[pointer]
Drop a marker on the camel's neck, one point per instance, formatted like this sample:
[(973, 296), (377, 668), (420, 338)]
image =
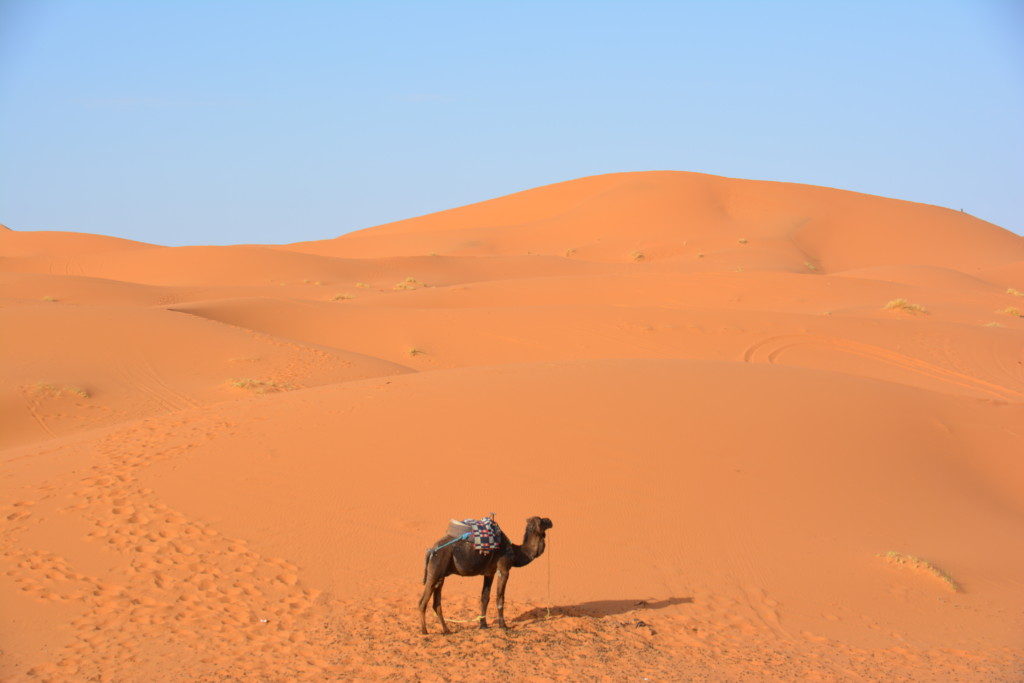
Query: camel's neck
[(531, 549)]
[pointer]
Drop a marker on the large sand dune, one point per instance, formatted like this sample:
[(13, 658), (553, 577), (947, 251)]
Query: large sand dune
[(777, 427)]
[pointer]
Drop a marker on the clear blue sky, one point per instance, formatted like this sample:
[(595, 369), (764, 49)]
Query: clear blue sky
[(218, 122)]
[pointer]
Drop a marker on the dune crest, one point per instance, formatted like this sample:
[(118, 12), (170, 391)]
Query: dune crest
[(776, 426)]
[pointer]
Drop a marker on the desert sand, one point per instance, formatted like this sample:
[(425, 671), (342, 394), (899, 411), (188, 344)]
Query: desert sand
[(778, 429)]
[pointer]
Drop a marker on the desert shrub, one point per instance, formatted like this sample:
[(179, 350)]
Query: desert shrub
[(904, 305), (55, 390), (409, 283), (902, 560), (259, 386)]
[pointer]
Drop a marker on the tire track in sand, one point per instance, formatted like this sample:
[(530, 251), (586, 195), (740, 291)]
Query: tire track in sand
[(141, 375), (769, 350), (31, 404)]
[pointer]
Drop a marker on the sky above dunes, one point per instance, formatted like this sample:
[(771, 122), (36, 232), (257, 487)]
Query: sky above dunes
[(225, 122)]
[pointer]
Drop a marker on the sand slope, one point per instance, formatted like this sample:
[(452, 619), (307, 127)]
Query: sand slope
[(656, 215), (71, 368), (50, 243), (226, 462)]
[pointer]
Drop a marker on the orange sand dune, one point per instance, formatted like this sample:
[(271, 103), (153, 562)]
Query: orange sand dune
[(43, 243), (70, 369), (654, 215), (927, 277), (777, 428), (251, 266), (1008, 274), (693, 321)]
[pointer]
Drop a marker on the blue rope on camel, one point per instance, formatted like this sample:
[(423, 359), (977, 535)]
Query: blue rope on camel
[(484, 533), (463, 537)]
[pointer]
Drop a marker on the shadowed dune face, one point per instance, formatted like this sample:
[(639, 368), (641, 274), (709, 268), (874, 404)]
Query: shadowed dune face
[(777, 428)]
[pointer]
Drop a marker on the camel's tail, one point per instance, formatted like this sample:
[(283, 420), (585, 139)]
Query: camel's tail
[(426, 563)]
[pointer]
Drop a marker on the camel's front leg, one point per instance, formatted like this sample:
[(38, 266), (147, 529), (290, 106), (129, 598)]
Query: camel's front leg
[(502, 581), (485, 597)]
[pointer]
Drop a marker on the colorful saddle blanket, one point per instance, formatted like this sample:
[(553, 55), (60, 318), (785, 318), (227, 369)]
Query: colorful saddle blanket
[(486, 535)]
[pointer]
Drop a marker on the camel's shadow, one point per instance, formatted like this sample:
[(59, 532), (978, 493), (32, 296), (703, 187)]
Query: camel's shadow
[(599, 608)]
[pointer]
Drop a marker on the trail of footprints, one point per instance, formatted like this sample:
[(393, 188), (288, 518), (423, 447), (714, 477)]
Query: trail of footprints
[(181, 583)]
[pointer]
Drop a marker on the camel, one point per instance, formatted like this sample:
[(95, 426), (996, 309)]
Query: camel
[(461, 558)]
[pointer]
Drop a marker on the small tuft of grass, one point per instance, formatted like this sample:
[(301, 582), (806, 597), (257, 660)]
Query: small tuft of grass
[(570, 252), (342, 297), (993, 324), (1014, 292), (743, 240), (57, 390), (50, 299), (700, 254), (637, 256), (1012, 310), (362, 285), (409, 283), (904, 305), (811, 266), (902, 560), (414, 351), (259, 386)]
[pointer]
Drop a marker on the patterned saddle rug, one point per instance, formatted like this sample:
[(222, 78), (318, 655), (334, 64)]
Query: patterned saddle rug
[(485, 534)]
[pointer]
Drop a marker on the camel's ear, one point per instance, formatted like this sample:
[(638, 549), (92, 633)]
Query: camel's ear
[(545, 523)]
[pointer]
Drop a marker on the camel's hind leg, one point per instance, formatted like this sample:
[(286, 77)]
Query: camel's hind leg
[(429, 586), (437, 605)]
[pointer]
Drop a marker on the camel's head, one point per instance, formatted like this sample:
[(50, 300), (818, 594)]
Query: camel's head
[(539, 525)]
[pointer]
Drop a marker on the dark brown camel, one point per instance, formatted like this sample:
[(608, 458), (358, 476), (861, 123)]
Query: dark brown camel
[(462, 559)]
